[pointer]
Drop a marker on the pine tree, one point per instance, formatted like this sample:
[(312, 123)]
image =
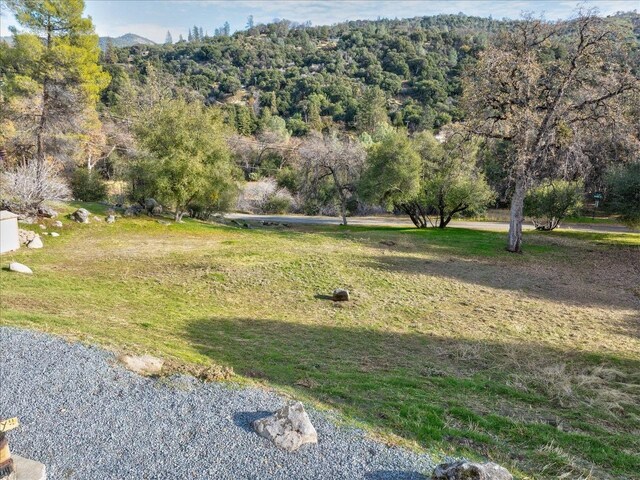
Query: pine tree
[(250, 22), (169, 39), (180, 39), (227, 29), (190, 36), (196, 34), (60, 55)]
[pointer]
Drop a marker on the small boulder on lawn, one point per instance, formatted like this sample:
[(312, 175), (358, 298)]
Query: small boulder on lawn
[(20, 268), (25, 236), (81, 215), (57, 224), (340, 295), (142, 364), (289, 428), (48, 212), (35, 243), (54, 234), (464, 470), (111, 219)]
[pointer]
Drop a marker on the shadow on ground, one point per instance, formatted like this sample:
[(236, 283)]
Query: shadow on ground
[(429, 388)]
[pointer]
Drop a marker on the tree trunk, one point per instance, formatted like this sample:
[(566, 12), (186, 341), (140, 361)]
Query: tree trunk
[(343, 211), (178, 216), (516, 217)]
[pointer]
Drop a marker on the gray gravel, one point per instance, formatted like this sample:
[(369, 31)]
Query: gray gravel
[(86, 417)]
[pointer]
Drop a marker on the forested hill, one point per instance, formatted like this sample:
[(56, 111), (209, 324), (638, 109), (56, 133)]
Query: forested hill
[(313, 76)]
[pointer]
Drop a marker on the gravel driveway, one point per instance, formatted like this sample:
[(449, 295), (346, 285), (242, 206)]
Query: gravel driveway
[(86, 417)]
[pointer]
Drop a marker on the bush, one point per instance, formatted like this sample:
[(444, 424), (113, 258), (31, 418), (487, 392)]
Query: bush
[(548, 204), (264, 196), (88, 185), (624, 193), (26, 187)]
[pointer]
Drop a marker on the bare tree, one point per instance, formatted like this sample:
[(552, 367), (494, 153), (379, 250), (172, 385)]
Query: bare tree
[(545, 87), (342, 160)]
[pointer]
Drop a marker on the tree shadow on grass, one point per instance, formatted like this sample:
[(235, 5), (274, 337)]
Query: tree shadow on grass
[(552, 282), (424, 387)]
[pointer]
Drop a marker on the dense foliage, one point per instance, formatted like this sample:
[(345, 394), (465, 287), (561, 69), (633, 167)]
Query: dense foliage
[(549, 204)]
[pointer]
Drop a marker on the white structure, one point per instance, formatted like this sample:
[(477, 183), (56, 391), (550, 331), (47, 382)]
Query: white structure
[(9, 240)]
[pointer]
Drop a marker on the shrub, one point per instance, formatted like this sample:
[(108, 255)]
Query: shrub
[(548, 204), (264, 196), (27, 186), (88, 185), (624, 193)]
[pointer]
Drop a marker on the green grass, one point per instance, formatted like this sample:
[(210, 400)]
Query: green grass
[(449, 344)]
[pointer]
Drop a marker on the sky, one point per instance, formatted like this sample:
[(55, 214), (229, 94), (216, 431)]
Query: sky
[(153, 18)]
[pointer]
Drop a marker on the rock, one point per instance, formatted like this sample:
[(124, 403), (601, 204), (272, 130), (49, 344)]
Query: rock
[(464, 470), (150, 204), (132, 210), (57, 224), (20, 268), (28, 469), (48, 212), (97, 219), (142, 364), (26, 219), (81, 215), (111, 219), (157, 210), (25, 236), (289, 428), (340, 295), (43, 227), (54, 234), (35, 243)]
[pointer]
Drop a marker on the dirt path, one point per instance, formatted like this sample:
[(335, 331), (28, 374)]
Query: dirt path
[(399, 221)]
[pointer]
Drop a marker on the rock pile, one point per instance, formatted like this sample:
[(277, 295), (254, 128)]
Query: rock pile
[(29, 238)]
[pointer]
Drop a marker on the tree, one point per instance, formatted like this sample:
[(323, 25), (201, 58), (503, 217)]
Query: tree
[(372, 110), (624, 192), (424, 178), (543, 87), (451, 181), (188, 156), (168, 39), (549, 204), (226, 29), (56, 68), (341, 160), (249, 22), (392, 176)]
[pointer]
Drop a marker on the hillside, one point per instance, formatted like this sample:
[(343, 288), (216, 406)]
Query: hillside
[(126, 40), (314, 76)]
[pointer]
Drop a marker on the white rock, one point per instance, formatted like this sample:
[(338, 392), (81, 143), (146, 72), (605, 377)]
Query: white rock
[(43, 227), (54, 234), (289, 428), (28, 469), (20, 268), (142, 364), (57, 224), (35, 243)]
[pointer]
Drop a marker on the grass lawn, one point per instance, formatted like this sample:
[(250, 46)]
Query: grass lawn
[(449, 344)]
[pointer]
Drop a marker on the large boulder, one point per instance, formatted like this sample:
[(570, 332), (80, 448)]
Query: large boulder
[(464, 470), (35, 243), (81, 215), (289, 428), (26, 236), (20, 268)]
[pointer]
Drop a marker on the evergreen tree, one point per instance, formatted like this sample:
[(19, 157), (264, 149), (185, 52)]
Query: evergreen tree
[(250, 22), (169, 39), (60, 59), (226, 29), (200, 34)]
